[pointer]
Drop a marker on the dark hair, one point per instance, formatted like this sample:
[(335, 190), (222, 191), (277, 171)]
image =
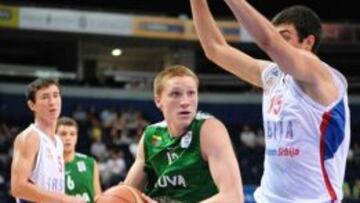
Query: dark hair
[(67, 121), (305, 21), (38, 84)]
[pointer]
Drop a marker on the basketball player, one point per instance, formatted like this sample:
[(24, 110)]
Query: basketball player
[(37, 170), (188, 157), (305, 105), (81, 171)]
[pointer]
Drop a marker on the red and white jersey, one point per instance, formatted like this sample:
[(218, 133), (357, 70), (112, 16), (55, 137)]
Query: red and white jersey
[(306, 143), (49, 166)]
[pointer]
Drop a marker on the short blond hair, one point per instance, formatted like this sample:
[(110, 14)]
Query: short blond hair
[(170, 72)]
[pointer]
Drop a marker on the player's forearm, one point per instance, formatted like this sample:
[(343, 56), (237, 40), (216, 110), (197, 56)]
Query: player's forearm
[(136, 175), (208, 32), (31, 192)]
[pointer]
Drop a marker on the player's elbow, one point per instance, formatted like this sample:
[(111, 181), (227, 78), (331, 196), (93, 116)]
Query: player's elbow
[(240, 197), (236, 197), (234, 194), (215, 52), (268, 42), (16, 188), (210, 51)]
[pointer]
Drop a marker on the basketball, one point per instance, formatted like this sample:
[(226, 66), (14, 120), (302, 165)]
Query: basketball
[(120, 194)]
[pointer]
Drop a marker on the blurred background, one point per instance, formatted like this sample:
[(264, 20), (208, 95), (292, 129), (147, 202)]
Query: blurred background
[(106, 54)]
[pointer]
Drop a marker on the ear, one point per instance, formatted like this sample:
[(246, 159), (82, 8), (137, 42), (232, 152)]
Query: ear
[(31, 105), (309, 42), (157, 101)]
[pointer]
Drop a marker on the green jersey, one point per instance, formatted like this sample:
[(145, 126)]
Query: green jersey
[(174, 166), (79, 177)]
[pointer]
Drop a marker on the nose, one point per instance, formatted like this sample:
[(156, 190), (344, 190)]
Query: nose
[(185, 101), (52, 101), (185, 105)]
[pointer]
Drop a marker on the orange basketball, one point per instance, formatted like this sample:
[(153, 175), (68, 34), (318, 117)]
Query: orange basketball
[(120, 194)]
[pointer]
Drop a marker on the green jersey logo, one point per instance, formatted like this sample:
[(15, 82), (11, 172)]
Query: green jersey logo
[(156, 140)]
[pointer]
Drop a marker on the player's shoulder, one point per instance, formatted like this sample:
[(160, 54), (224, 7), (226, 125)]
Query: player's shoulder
[(161, 124), (27, 140), (203, 115), (156, 128), (27, 136), (81, 156), (201, 118), (211, 124), (159, 129)]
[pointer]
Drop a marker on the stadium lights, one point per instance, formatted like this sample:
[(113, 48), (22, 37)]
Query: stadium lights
[(116, 52)]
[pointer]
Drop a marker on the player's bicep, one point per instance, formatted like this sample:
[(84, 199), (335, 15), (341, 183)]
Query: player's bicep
[(217, 150), (302, 65), (136, 174), (140, 154), (15, 165), (24, 158), (240, 64)]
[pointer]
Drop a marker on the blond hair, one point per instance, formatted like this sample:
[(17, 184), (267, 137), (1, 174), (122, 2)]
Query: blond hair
[(171, 72)]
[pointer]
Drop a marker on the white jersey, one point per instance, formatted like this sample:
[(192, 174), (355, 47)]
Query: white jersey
[(306, 143), (48, 173)]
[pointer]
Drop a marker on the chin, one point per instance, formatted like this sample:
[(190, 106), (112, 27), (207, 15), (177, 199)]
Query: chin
[(186, 123), (54, 116), (68, 150)]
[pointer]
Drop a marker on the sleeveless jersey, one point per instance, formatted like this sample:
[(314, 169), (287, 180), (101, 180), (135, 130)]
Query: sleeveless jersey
[(79, 177), (175, 168), (48, 173), (306, 143)]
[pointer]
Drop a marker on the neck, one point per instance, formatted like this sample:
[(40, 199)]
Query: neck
[(47, 127), (176, 131), (69, 156)]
